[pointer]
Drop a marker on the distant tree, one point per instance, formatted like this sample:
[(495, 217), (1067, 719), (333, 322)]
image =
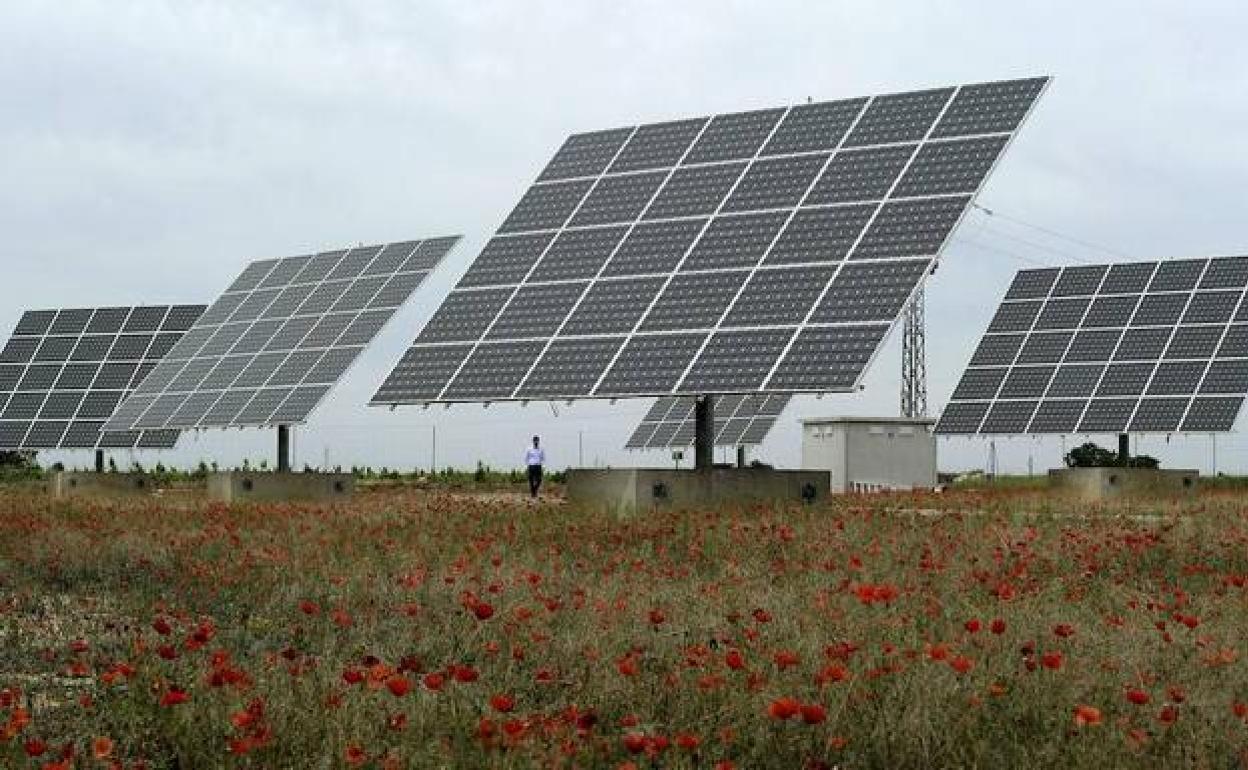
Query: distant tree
[(1090, 455), (17, 460)]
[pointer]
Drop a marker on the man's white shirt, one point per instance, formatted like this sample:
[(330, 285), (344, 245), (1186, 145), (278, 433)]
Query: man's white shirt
[(535, 456)]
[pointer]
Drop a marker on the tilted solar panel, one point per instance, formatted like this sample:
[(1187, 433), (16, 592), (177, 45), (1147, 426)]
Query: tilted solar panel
[(279, 338), (751, 252), (63, 373), (739, 421)]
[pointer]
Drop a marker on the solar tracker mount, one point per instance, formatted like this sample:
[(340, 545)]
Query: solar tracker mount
[(768, 251)]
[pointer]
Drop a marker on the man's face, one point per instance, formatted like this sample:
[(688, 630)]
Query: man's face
[(534, 443)]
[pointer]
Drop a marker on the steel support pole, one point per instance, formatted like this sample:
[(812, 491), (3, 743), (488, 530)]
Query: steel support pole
[(283, 449), (1124, 448), (704, 433), (99, 461), (741, 457)]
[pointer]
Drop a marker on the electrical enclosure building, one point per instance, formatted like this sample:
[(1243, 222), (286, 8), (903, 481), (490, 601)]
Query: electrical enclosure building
[(871, 454)]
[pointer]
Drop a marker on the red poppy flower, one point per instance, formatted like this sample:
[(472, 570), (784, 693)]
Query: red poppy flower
[(482, 610), (309, 608), (997, 626), (813, 713), (434, 681), (1064, 630), (1087, 715), (1051, 660), (656, 617), (688, 741), (962, 664), (102, 747), (399, 685), (973, 626), (162, 627), (174, 696), (784, 708), (354, 755), (786, 659), (734, 660), (35, 747), (502, 703), (635, 743), (1137, 696)]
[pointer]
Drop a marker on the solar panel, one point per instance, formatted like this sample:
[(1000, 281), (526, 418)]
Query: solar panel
[(63, 373), (283, 333), (1128, 347), (750, 252), (739, 421)]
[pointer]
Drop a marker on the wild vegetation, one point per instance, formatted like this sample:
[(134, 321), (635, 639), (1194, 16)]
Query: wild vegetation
[(419, 628)]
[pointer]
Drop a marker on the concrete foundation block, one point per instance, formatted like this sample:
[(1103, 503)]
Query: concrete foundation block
[(634, 489), (248, 487), (66, 484), (1111, 483)]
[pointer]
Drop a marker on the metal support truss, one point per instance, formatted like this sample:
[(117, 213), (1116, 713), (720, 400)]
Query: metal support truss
[(914, 360)]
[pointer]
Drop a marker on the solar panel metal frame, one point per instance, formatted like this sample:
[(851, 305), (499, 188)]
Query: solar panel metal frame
[(1149, 360), (615, 152), (76, 353), (758, 411), (310, 333)]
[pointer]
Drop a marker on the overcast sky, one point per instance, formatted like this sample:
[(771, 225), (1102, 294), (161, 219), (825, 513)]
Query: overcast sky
[(148, 150)]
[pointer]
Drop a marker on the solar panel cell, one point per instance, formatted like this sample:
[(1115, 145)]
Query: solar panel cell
[(910, 228), (861, 175), (736, 359), (903, 117), (617, 199), (735, 241), (774, 297), (694, 300), (695, 191), (585, 154), (812, 127), (613, 307), (546, 206), (989, 107), (578, 253), (658, 145), (650, 364), (570, 367), (653, 247), (820, 235), (957, 166), (734, 135), (774, 183)]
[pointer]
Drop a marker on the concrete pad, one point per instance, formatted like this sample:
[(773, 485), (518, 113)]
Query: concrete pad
[(633, 489), (66, 484), (260, 487), (1112, 483)]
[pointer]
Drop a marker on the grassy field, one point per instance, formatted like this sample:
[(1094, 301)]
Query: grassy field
[(424, 628)]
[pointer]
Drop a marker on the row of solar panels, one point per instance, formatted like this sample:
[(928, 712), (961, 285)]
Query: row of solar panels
[(744, 254)]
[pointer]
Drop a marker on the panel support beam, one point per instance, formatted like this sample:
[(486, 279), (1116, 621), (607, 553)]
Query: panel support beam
[(704, 433), (99, 461), (1124, 448), (741, 456), (283, 449)]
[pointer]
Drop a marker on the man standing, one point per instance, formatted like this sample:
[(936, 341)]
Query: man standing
[(535, 458)]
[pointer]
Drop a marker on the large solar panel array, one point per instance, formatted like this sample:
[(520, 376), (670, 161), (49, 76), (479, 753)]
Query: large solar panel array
[(63, 372), (280, 336), (1122, 348), (763, 251), (739, 421)]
